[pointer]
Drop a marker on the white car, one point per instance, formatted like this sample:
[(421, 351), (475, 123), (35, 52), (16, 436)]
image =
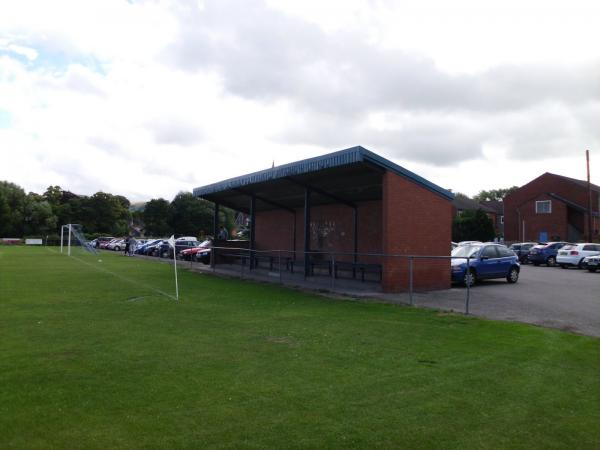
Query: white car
[(573, 255), (463, 243), (117, 245), (592, 263), (186, 238)]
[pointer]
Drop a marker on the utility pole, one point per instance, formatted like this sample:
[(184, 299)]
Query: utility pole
[(589, 186)]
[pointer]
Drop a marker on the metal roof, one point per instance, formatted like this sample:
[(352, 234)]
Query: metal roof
[(337, 159)]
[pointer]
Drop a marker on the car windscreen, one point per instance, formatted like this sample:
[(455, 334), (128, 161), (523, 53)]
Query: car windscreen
[(466, 251)]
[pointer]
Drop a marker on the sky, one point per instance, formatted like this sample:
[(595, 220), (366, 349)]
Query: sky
[(147, 98)]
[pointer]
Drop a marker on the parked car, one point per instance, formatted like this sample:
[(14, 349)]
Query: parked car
[(104, 244), (180, 245), (117, 245), (592, 263), (521, 249), (143, 248), (155, 248), (486, 261), (203, 255), (190, 253), (545, 253), (186, 238), (462, 243), (573, 255), (103, 239)]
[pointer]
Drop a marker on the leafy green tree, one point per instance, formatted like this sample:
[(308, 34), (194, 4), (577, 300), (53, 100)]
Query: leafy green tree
[(12, 205), (189, 215), (472, 226), (39, 218), (494, 194), (105, 213), (156, 216)]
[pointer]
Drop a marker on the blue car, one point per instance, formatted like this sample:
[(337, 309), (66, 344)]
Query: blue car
[(486, 261), (143, 249), (545, 253)]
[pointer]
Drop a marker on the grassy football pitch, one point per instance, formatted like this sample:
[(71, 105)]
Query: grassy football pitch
[(93, 355)]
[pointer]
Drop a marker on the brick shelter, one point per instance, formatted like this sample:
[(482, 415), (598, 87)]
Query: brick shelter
[(552, 208), (348, 208)]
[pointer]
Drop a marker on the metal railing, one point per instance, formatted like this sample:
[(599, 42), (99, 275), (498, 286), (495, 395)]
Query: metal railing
[(407, 273)]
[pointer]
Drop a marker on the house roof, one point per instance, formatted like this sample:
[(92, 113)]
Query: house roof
[(582, 183), (463, 203), (341, 172), (496, 205), (572, 204)]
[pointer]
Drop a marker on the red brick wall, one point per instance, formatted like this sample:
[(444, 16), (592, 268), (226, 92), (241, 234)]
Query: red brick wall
[(419, 222), (409, 220), (555, 223), (542, 185), (331, 230)]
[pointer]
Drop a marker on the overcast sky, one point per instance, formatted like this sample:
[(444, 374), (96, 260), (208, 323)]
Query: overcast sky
[(147, 98)]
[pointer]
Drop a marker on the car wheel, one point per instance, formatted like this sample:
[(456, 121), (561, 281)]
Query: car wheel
[(117, 249), (513, 275), (470, 278), (551, 261), (582, 265)]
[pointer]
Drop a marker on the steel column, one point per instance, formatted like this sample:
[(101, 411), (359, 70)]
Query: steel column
[(216, 222), (306, 231), (252, 229)]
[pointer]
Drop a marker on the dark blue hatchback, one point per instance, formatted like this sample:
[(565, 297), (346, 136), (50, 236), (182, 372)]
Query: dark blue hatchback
[(486, 261), (545, 253)]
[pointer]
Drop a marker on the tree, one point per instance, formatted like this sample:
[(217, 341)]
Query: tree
[(155, 217), (189, 215), (39, 219), (472, 226), (494, 194), (105, 213), (12, 205)]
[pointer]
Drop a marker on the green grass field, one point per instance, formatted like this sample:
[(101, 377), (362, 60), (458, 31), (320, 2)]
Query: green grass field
[(92, 356)]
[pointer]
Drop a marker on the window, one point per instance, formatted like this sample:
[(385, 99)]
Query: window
[(591, 248), (543, 207), (489, 252), (504, 252), (501, 220)]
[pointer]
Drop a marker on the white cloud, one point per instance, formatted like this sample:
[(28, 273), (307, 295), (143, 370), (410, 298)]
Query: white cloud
[(152, 97)]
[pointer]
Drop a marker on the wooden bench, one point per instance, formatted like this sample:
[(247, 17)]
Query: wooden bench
[(361, 267)]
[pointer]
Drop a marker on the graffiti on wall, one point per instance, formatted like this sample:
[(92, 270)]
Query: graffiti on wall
[(320, 230)]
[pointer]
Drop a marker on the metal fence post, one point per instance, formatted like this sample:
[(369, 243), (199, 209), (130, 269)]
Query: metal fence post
[(242, 265), (279, 264), (332, 262), (468, 279), (410, 280)]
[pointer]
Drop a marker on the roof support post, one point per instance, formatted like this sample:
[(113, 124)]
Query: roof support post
[(355, 233), (294, 238), (216, 222), (252, 229), (306, 231)]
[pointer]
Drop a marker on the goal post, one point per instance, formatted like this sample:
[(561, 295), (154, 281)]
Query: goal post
[(74, 231)]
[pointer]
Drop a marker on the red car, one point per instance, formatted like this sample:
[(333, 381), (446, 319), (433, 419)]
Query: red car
[(200, 253)]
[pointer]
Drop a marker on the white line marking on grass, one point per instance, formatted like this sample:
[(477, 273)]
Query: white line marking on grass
[(121, 277)]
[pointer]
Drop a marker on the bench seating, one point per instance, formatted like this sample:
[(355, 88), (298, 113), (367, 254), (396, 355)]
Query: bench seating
[(363, 268)]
